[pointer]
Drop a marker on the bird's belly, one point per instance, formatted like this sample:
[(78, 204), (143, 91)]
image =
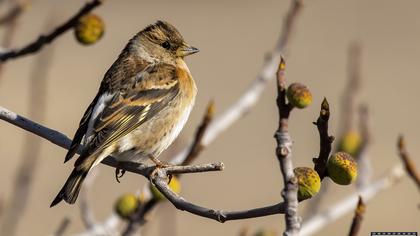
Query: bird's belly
[(153, 136)]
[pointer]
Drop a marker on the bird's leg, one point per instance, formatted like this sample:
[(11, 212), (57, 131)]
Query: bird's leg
[(119, 172), (159, 163)]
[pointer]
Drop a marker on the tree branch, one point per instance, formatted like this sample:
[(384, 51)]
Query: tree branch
[(159, 179), (358, 217), (325, 140), (409, 165), (62, 227), (48, 38), (284, 156)]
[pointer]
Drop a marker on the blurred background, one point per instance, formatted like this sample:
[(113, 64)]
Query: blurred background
[(233, 38)]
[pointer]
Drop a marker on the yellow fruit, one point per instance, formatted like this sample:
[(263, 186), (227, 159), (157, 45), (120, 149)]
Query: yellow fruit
[(89, 29), (308, 181), (350, 142), (299, 95), (174, 185), (126, 205), (342, 168)]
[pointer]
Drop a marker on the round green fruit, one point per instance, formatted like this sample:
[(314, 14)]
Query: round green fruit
[(342, 168), (299, 95), (308, 181), (126, 205), (174, 185), (89, 29)]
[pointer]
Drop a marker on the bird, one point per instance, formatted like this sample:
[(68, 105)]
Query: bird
[(143, 102)]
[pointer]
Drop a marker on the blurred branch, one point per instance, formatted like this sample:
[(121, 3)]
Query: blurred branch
[(284, 156), (108, 227), (29, 160), (363, 163), (358, 217), (13, 13), (249, 98), (197, 144), (86, 212), (325, 140), (48, 38), (409, 165), (1, 207), (335, 211), (62, 227), (9, 33), (352, 87)]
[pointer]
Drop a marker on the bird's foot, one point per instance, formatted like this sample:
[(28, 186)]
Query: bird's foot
[(119, 173), (159, 163)]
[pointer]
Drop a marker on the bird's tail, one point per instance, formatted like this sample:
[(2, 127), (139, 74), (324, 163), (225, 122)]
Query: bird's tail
[(71, 188)]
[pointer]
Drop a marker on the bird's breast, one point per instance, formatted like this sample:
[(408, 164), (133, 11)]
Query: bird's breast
[(156, 134)]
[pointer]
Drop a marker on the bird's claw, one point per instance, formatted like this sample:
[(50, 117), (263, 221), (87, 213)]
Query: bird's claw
[(119, 173)]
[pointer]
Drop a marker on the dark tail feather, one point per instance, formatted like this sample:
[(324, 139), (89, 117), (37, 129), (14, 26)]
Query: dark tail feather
[(71, 188)]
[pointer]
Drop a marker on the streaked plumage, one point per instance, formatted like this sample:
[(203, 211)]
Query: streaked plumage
[(143, 103)]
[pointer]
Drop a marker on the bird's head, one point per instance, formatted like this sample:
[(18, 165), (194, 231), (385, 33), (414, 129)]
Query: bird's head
[(162, 41)]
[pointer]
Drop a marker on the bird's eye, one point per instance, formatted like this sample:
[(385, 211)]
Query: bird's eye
[(166, 45)]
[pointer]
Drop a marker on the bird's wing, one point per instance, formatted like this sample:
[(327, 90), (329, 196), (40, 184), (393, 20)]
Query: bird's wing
[(148, 93), (81, 131)]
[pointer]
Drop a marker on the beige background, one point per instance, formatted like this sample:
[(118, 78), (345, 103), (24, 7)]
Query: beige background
[(233, 37)]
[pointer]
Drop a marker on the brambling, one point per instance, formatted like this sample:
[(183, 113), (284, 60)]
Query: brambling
[(143, 102)]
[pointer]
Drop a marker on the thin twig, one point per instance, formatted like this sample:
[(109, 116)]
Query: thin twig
[(358, 217), (325, 140), (27, 168), (409, 165), (48, 38), (250, 97), (62, 227), (159, 179), (284, 156), (335, 211)]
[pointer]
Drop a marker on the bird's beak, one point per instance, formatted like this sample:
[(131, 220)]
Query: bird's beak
[(186, 50)]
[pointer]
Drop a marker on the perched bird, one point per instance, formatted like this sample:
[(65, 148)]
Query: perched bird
[(143, 102)]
